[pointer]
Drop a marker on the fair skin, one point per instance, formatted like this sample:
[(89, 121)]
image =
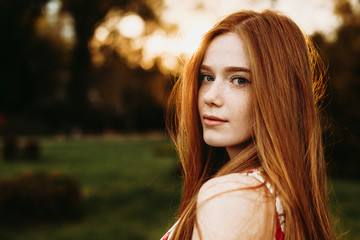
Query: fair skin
[(224, 94), (227, 206), (226, 210)]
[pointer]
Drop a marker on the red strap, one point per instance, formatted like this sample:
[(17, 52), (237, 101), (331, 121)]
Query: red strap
[(166, 236), (279, 235)]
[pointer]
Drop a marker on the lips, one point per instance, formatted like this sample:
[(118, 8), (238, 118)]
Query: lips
[(211, 120)]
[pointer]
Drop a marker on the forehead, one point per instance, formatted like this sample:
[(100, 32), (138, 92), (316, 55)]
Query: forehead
[(226, 50)]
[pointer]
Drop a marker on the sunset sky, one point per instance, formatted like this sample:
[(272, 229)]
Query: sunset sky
[(192, 18), (195, 17)]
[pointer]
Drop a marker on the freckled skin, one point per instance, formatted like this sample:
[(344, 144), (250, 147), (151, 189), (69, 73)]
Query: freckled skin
[(225, 93)]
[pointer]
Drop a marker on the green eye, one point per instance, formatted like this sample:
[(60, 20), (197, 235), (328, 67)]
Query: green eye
[(240, 80), (206, 78)]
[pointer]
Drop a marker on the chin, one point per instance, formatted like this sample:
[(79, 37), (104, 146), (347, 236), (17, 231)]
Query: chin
[(212, 144), (215, 142)]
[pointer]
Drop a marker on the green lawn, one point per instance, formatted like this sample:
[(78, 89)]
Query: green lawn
[(346, 207), (130, 190)]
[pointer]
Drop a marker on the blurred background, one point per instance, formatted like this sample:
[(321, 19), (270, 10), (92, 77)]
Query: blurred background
[(83, 85)]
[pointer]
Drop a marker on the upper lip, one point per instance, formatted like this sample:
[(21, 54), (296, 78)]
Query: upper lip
[(212, 117)]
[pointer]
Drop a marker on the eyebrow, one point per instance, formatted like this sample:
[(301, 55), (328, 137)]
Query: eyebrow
[(228, 69)]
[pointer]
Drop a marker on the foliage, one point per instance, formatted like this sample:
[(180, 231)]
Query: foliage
[(46, 86), (18, 56), (343, 57), (87, 14)]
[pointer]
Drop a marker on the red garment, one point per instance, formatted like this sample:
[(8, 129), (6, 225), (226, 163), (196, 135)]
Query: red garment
[(279, 234), (166, 236)]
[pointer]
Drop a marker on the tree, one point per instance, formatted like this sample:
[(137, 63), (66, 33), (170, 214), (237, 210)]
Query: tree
[(343, 56), (87, 15), (17, 20), (37, 69)]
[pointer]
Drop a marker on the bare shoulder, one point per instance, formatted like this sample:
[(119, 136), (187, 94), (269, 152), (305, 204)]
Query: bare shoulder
[(228, 183), (234, 206)]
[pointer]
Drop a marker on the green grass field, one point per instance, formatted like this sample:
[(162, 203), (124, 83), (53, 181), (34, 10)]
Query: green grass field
[(130, 190)]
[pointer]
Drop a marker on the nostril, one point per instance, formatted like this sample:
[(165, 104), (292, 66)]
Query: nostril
[(213, 96)]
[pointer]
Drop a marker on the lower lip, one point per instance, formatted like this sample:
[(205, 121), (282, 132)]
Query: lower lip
[(211, 122)]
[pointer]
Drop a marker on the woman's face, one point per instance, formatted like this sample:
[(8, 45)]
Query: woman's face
[(224, 94)]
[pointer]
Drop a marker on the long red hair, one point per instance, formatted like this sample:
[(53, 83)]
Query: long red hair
[(286, 141)]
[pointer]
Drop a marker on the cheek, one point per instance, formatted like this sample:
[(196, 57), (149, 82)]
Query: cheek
[(242, 117), (200, 102), (242, 108)]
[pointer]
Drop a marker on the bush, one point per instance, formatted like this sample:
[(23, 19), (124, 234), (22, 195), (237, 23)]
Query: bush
[(10, 149), (32, 149), (39, 198), (26, 149)]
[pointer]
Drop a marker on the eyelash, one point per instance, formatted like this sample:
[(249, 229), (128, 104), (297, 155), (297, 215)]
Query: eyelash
[(233, 79), (203, 76), (245, 81)]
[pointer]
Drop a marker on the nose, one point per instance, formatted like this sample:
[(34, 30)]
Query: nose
[(213, 95)]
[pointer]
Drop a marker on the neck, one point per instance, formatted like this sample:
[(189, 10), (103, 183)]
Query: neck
[(233, 151)]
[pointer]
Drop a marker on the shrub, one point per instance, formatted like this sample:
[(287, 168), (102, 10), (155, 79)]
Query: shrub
[(10, 148), (39, 197), (32, 149), (26, 149)]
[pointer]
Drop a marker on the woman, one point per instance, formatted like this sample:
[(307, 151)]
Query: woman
[(248, 135)]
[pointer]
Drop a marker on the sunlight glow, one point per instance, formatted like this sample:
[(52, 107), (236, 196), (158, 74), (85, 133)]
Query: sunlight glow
[(56, 25), (101, 33), (156, 43), (192, 20), (311, 15), (53, 7), (193, 36), (67, 31), (51, 11), (318, 17), (131, 26)]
